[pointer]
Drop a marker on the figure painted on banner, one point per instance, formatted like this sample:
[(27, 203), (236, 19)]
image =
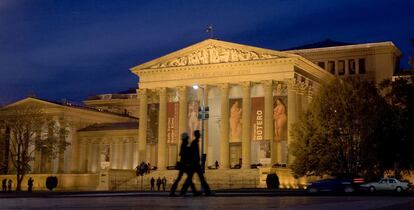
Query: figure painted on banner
[(280, 119), (235, 122), (192, 117)]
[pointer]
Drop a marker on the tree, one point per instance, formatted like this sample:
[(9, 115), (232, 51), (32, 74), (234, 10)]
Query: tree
[(344, 132), (399, 94), (25, 125)]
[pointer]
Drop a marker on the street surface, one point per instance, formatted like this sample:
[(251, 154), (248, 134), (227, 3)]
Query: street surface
[(138, 200)]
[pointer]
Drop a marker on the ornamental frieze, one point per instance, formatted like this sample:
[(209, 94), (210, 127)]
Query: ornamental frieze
[(215, 54)]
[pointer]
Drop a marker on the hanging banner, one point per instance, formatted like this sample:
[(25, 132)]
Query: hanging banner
[(235, 120), (280, 118), (257, 119), (152, 123), (172, 122), (192, 118)]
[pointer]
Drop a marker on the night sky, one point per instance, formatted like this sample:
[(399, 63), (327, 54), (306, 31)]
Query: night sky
[(78, 48)]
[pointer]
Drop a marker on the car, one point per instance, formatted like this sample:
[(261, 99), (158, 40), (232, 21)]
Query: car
[(334, 185), (386, 184)]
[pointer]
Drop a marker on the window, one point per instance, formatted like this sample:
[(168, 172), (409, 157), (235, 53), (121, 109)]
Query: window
[(321, 64), (392, 181), (361, 65), (341, 67), (331, 66), (351, 66)]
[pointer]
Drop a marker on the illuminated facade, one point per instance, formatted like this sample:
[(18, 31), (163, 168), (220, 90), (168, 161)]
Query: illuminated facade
[(254, 96)]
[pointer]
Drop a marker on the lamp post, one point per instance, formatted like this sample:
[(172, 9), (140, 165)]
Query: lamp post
[(202, 116)]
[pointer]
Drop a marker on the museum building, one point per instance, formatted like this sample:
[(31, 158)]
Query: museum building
[(254, 95)]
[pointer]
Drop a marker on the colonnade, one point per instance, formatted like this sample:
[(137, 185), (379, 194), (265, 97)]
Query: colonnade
[(123, 153), (299, 93)]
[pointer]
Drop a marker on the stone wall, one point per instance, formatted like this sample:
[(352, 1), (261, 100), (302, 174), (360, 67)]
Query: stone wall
[(66, 182)]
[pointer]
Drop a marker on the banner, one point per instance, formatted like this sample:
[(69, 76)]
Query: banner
[(172, 122), (235, 120), (257, 118), (280, 118), (192, 118), (152, 123)]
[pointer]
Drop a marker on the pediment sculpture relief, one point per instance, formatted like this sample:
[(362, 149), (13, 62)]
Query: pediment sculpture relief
[(215, 54)]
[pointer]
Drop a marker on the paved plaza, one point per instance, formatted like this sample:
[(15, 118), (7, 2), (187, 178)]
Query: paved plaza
[(160, 201)]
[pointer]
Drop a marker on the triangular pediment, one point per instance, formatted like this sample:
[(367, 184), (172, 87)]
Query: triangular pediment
[(30, 101), (212, 51)]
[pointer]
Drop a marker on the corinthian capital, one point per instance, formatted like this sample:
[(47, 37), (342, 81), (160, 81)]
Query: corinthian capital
[(267, 83)]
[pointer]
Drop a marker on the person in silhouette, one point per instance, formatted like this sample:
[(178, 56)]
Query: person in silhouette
[(195, 167), (152, 183), (30, 184), (9, 185), (4, 185), (159, 183), (183, 165), (163, 183)]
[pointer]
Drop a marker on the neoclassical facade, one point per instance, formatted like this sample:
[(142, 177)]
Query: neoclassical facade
[(250, 92), (254, 96)]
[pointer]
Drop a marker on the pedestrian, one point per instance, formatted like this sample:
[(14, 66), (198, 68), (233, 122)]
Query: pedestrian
[(164, 183), (195, 167), (30, 184), (159, 183), (152, 183), (4, 185), (9, 185), (216, 164), (183, 165)]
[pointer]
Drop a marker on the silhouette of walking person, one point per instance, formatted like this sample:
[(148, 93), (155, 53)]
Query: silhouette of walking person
[(159, 183), (163, 183), (195, 167), (183, 165), (152, 183), (30, 184), (4, 185), (9, 185)]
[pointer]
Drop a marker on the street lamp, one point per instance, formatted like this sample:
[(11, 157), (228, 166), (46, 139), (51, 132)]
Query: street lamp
[(202, 115)]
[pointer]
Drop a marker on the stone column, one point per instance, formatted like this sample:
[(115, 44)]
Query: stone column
[(268, 118), (142, 130), (90, 156), (62, 140), (37, 154), (162, 129), (82, 155), (182, 112), (121, 153), (246, 125), (131, 157), (206, 88), (292, 114), (99, 158), (224, 127), (75, 144), (112, 149)]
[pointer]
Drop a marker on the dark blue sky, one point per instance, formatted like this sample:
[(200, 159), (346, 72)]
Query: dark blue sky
[(77, 48)]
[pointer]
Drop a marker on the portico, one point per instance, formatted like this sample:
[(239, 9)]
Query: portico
[(254, 95)]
